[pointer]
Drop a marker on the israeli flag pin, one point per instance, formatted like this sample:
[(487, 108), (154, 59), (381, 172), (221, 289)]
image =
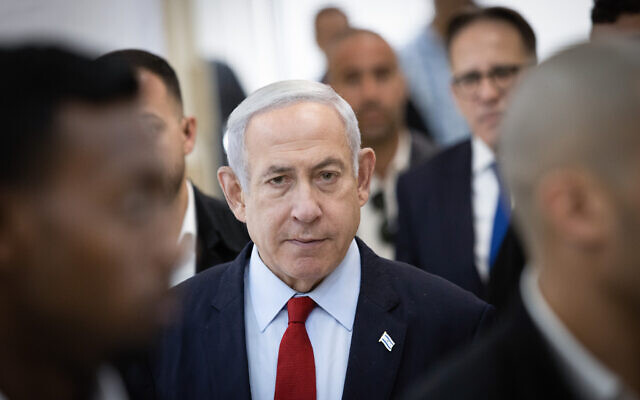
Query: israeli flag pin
[(386, 340)]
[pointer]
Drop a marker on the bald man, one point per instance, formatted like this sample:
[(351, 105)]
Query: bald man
[(364, 70), (572, 160)]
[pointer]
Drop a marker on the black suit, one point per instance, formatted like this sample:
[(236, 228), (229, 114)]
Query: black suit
[(435, 226), (203, 356), (220, 235), (513, 362)]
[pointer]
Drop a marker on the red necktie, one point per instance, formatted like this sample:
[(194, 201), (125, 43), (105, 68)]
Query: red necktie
[(296, 377)]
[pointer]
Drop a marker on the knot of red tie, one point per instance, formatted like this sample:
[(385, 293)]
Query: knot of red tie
[(299, 309)]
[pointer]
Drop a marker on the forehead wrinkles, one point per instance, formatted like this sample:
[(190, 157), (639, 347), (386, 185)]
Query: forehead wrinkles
[(275, 133)]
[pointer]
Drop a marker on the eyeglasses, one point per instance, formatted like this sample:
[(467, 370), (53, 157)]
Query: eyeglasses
[(500, 76)]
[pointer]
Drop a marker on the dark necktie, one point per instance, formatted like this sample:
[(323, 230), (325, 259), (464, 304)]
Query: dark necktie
[(296, 376), (500, 219)]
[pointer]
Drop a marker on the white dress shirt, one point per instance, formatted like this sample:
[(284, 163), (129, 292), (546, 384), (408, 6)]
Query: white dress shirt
[(484, 199), (187, 239), (371, 219), (329, 326), (586, 374)]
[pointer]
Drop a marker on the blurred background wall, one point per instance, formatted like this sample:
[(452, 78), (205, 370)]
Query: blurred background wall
[(261, 40)]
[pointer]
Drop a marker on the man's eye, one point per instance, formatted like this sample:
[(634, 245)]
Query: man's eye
[(470, 79), (278, 180), (328, 176)]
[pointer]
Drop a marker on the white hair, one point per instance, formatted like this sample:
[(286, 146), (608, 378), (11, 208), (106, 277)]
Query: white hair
[(278, 95)]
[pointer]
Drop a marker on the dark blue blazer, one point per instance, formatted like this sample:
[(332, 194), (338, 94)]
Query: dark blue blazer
[(203, 355), (435, 226), (513, 362)]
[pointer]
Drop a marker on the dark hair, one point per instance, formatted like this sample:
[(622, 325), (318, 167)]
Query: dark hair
[(608, 11), (329, 10), (507, 15), (35, 82), (140, 59)]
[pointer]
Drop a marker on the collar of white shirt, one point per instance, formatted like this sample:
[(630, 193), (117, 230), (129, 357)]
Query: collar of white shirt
[(398, 164), (189, 222), (482, 156), (186, 267), (592, 379), (337, 294)]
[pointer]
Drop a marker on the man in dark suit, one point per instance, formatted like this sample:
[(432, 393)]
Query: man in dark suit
[(364, 70), (572, 160), (307, 310), (453, 210), (85, 245), (210, 234)]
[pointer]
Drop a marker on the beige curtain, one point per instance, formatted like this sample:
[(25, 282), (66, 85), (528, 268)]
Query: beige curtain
[(197, 84)]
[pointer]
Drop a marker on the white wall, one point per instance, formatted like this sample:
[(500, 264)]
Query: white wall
[(268, 40), (95, 25)]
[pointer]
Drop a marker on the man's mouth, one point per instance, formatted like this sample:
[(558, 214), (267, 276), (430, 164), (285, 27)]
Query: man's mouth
[(306, 242), (492, 118)]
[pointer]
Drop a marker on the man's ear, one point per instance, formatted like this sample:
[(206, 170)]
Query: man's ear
[(366, 165), (189, 127), (232, 192), (575, 207)]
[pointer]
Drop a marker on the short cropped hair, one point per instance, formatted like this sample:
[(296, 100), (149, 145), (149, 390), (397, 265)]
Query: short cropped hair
[(141, 59), (578, 108), (36, 82), (502, 14), (327, 11), (278, 95), (608, 11)]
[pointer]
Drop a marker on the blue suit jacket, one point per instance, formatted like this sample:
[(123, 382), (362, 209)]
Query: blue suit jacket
[(203, 355), (435, 227)]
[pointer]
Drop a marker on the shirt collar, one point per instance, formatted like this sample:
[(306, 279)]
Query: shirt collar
[(337, 294), (481, 156), (189, 222), (588, 375), (399, 163)]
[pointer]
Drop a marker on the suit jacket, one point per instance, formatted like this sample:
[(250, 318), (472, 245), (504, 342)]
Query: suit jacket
[(422, 148), (203, 355), (435, 226), (220, 235), (512, 362)]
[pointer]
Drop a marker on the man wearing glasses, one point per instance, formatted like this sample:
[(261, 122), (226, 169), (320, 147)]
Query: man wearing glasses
[(453, 211)]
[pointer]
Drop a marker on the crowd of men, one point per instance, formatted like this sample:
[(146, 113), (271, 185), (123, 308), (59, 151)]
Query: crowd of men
[(517, 268)]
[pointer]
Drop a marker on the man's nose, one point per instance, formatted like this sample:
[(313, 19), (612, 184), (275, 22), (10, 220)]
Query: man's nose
[(488, 91), (369, 88), (305, 208)]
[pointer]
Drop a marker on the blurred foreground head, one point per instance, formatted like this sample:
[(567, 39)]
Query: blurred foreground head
[(615, 17), (84, 258), (571, 154)]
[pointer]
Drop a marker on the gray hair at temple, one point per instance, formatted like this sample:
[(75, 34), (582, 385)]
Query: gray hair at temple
[(279, 95), (580, 108)]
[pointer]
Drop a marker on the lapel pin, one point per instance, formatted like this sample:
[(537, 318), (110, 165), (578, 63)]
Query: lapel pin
[(386, 340)]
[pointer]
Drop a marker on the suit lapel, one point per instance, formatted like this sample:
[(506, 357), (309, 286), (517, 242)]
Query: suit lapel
[(223, 335), (372, 369)]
